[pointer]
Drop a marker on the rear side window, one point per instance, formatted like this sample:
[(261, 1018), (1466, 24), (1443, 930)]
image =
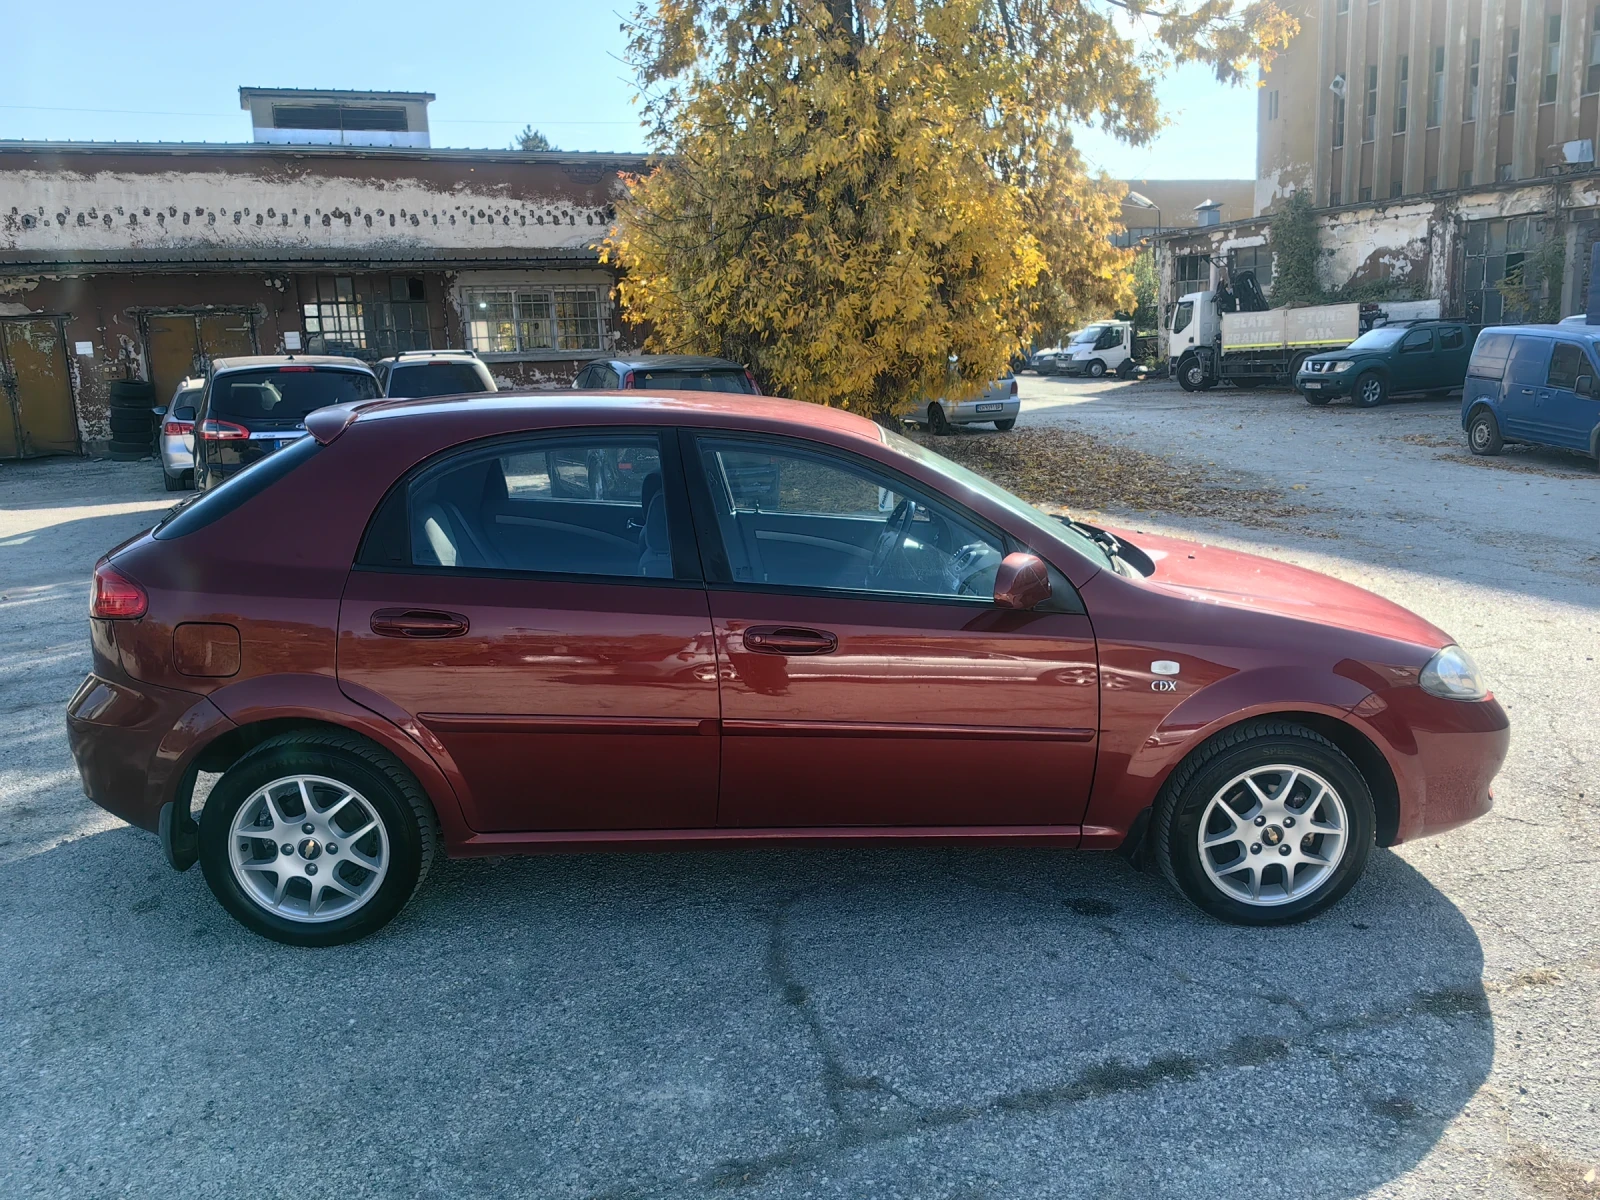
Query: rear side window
[(1489, 355), (1566, 364), (437, 378), (236, 490), (695, 381), (1453, 338), (285, 393)]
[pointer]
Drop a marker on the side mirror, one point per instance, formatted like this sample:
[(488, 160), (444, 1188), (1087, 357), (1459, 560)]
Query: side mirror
[(160, 410), (1584, 386), (1023, 582)]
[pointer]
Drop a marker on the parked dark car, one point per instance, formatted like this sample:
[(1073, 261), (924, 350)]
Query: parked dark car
[(254, 406), (669, 372), (435, 626), (427, 373), (1538, 384), (1391, 360)]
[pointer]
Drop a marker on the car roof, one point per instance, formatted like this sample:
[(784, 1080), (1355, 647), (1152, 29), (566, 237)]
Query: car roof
[(257, 361), (1552, 330), (425, 355), (674, 362)]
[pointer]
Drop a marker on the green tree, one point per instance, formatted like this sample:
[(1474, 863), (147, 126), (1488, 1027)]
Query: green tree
[(850, 191), (531, 139), (1145, 313)]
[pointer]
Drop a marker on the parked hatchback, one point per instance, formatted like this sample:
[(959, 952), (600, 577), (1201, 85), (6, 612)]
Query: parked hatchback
[(998, 403), (539, 624), (254, 406), (668, 372), (176, 439), (1534, 384), (1391, 360), (426, 373)]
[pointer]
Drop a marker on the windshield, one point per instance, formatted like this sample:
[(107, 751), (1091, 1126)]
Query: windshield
[(437, 378), (972, 481), (286, 393), (1088, 335), (695, 381), (1377, 339)]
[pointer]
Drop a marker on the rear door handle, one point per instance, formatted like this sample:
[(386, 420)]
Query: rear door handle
[(789, 639), (418, 623)]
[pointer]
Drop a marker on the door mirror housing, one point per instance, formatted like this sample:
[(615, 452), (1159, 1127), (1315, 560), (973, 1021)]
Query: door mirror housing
[(1584, 385), (1022, 582), (160, 410)]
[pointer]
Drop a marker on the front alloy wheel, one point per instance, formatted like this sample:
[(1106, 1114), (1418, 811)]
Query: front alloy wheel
[(1267, 824)]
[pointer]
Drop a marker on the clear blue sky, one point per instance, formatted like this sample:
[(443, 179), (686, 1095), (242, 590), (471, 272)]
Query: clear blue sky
[(164, 71)]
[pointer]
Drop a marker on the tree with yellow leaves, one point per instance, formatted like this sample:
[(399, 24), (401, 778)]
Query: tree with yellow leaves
[(850, 192)]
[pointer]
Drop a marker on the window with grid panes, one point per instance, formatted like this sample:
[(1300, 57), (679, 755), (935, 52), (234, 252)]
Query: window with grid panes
[(513, 320), (1591, 76), (1193, 269), (367, 316), (1436, 90), (1552, 60), (1253, 258), (1494, 252)]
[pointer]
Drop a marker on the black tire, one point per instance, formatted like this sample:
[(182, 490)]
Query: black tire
[(387, 788), (1175, 823), (1248, 383), (131, 393), (127, 426), (938, 423), (1125, 369), (1483, 433), (1318, 400), (1371, 389), (1007, 425), (1095, 369), (120, 451), (1295, 365), (175, 483)]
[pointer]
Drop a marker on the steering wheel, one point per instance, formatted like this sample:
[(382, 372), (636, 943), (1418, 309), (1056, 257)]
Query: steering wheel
[(893, 535)]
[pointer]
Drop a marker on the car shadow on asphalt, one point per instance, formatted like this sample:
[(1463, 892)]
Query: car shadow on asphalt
[(819, 1022)]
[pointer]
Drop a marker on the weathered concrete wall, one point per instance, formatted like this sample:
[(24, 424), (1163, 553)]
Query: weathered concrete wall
[(260, 202)]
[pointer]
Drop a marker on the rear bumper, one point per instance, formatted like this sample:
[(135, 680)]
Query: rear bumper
[(132, 742), (176, 458), (967, 412)]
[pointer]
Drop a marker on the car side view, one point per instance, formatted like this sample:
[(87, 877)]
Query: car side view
[(1413, 357), (1535, 384), (507, 624)]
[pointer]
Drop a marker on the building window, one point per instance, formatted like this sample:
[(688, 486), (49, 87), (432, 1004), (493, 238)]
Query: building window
[(1591, 78), (1194, 268), (1466, 178), (1436, 90), (1508, 99), (1252, 258), (1502, 173), (1402, 92), (1469, 111), (1272, 105), (1395, 189), (367, 317), (1552, 60), (1334, 198), (512, 320), (1369, 108), (1431, 184), (1338, 122), (1494, 254), (1341, 8), (1365, 194)]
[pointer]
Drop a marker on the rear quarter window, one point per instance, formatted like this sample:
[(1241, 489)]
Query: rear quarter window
[(1489, 355), (235, 491)]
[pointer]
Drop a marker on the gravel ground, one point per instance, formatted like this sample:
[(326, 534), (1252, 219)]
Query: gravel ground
[(948, 1023)]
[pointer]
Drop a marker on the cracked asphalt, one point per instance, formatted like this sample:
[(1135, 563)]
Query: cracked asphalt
[(946, 1023)]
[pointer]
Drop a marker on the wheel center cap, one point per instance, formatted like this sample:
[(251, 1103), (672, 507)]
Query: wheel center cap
[(310, 848), (1271, 835)]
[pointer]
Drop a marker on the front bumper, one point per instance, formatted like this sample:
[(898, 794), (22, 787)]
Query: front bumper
[(1329, 384), (132, 742), (1455, 750), (981, 411)]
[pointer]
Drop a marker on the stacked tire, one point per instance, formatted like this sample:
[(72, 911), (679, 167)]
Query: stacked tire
[(133, 429)]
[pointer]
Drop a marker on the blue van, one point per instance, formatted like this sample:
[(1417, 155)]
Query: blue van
[(1538, 384)]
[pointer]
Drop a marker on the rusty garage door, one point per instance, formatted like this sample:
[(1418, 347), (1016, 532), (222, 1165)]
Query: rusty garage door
[(36, 388), (182, 344)]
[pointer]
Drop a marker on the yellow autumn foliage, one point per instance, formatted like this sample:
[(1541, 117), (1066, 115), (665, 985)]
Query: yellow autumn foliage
[(850, 192)]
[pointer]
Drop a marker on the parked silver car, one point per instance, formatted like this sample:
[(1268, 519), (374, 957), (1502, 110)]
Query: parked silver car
[(999, 404), (176, 439)]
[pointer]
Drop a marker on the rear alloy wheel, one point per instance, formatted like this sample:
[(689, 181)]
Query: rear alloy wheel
[(1483, 433), (316, 839), (1268, 824), (1095, 369), (938, 423), (1371, 391)]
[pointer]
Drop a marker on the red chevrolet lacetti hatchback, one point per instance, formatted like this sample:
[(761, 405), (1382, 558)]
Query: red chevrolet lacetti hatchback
[(584, 621)]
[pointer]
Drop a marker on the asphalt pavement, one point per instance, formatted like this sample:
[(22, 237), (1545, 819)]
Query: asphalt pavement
[(942, 1023)]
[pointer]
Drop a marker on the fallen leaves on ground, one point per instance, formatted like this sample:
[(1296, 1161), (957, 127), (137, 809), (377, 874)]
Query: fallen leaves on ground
[(1063, 468), (1533, 460)]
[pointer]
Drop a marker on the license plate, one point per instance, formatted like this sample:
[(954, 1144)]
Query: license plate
[(1311, 383), (990, 407)]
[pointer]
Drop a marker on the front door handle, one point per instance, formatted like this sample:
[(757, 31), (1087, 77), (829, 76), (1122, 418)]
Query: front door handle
[(789, 639), (418, 623)]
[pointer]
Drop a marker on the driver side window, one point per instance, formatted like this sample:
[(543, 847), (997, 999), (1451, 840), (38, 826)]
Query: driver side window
[(793, 517)]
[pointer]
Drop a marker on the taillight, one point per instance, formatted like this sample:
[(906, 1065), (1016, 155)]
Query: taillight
[(755, 388), (1013, 387), (176, 428), (115, 597), (627, 379), (213, 430)]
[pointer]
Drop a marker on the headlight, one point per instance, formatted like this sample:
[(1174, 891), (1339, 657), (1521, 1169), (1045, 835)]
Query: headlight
[(1451, 673), (1343, 365)]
